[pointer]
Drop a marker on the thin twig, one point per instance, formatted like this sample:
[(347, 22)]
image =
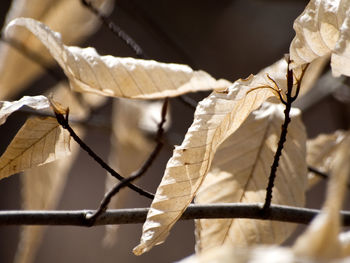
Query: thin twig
[(63, 121), (138, 215), (137, 174), (321, 174), (116, 30), (288, 103)]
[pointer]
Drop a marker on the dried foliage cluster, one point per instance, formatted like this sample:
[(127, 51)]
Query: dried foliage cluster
[(227, 154)]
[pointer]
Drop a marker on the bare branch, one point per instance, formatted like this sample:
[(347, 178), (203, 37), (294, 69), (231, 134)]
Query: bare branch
[(63, 121), (138, 215), (137, 174)]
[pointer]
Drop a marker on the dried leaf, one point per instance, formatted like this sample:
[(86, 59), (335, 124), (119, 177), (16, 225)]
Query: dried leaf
[(74, 21), (322, 152), (118, 77), (8, 107), (323, 29), (42, 187), (320, 241), (39, 141), (216, 118), (240, 173)]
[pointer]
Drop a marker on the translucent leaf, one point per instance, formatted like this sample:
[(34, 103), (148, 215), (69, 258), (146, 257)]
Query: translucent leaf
[(39, 141), (322, 151), (74, 21), (320, 242), (42, 187), (240, 173), (216, 118), (323, 29), (118, 77), (9, 107)]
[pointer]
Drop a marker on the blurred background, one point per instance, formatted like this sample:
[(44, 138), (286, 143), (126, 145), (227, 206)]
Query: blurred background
[(228, 39)]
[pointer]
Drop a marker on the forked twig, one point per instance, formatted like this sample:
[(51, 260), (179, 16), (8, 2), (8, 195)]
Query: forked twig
[(287, 101), (135, 175), (63, 121)]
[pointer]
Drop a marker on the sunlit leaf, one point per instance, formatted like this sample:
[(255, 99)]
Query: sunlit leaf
[(42, 188), (240, 173), (216, 118), (118, 77), (9, 107), (69, 17), (323, 29), (39, 141)]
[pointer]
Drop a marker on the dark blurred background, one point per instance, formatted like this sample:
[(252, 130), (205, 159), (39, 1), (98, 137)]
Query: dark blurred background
[(228, 39)]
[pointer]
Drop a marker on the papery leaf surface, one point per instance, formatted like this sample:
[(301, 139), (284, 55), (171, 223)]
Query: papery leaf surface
[(39, 141), (240, 172), (36, 102), (323, 29), (87, 71), (216, 118)]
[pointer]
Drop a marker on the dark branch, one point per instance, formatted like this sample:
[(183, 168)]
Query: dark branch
[(143, 169), (288, 103), (63, 121), (116, 30), (138, 215)]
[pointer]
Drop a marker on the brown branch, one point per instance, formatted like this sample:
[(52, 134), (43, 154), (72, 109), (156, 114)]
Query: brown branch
[(138, 215), (137, 174), (63, 121)]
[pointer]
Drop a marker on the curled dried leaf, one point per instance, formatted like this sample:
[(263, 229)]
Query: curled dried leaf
[(118, 77), (8, 107), (240, 174), (216, 118), (323, 29)]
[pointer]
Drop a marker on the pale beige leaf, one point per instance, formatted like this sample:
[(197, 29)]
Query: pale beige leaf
[(42, 187), (321, 241), (323, 29), (74, 21), (118, 77), (241, 168), (216, 118), (8, 107), (39, 141), (322, 151)]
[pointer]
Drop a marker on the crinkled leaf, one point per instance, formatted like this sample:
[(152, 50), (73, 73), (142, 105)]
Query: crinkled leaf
[(74, 22), (323, 29), (39, 141), (216, 118), (118, 77), (241, 168), (8, 107), (322, 151), (320, 242)]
